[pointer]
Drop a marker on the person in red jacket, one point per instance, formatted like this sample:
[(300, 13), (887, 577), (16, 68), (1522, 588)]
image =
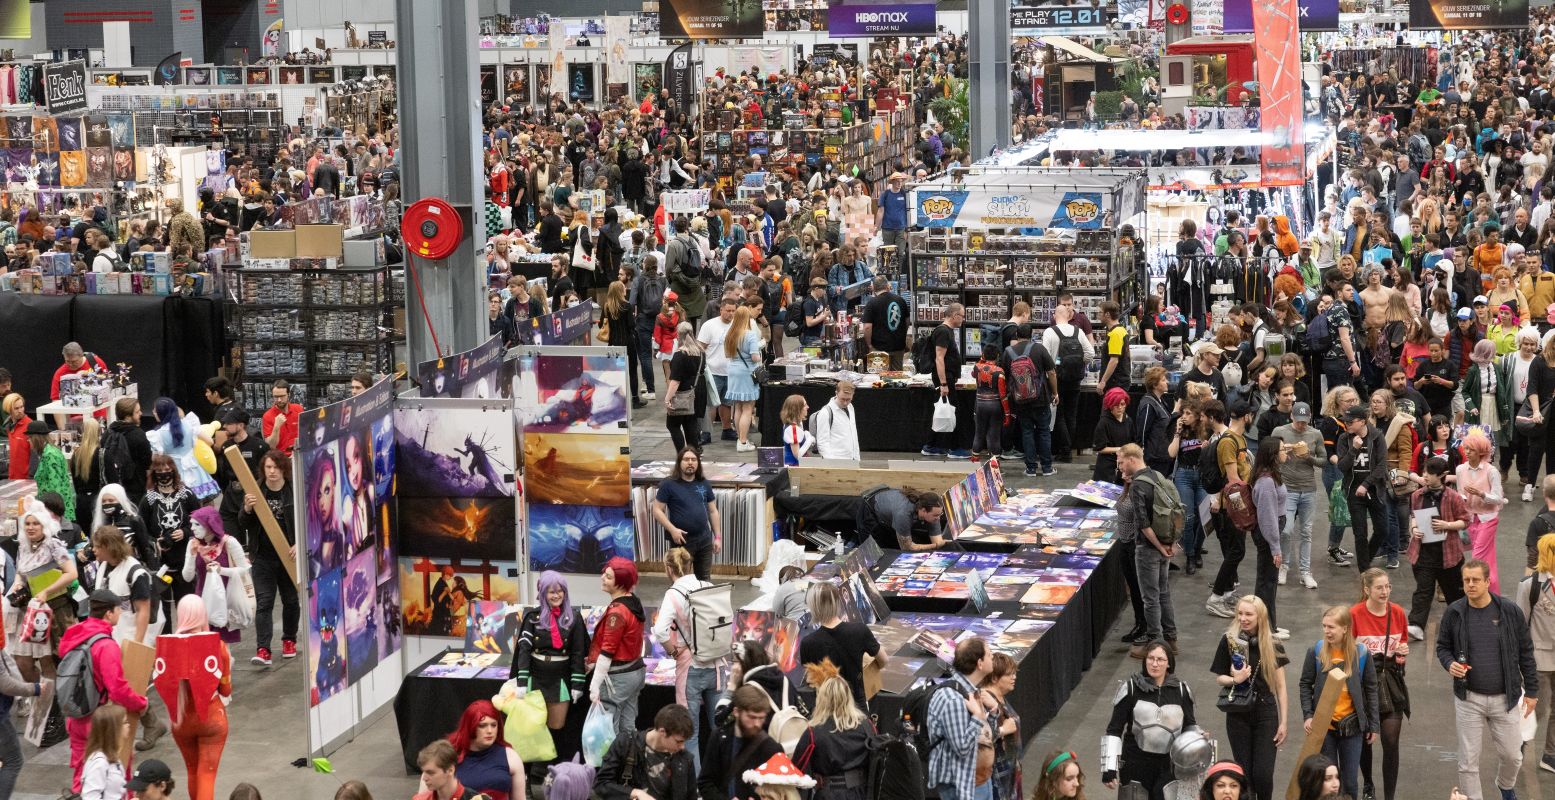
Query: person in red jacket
[(13, 412), (616, 654), (107, 672), (76, 360)]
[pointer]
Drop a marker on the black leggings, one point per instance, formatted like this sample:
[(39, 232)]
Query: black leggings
[(685, 430), (1252, 743), (1131, 577), (1391, 725)]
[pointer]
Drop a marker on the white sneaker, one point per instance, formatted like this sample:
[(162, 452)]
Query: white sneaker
[(1281, 634), (743, 447), (1307, 581), (1527, 493), (1284, 570), (646, 396), (1416, 634), (1217, 606)]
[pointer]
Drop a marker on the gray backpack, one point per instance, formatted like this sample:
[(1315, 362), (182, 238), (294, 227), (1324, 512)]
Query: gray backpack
[(75, 687)]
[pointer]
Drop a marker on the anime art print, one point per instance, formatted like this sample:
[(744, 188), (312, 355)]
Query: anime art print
[(571, 394), (436, 594), (326, 651), (359, 603), (447, 452), (571, 538), (577, 470), (459, 527)]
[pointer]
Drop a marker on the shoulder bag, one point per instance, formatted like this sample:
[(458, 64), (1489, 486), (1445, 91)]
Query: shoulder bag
[(1238, 697), (759, 372), (1392, 692), (683, 404)]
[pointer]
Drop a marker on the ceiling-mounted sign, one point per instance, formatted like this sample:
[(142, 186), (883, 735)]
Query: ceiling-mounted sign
[(1027, 17), (64, 87), (1316, 15), (1459, 15), (711, 19), (880, 18)]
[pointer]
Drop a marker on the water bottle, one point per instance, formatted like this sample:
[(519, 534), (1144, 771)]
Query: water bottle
[(1237, 661)]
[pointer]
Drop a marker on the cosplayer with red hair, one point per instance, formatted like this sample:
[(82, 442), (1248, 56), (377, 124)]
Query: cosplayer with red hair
[(615, 655), (485, 762)]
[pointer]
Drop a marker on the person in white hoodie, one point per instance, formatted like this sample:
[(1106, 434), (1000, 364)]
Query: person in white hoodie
[(836, 425), (696, 680)]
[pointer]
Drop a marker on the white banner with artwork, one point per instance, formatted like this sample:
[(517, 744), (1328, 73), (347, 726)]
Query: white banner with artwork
[(618, 39), (684, 201)]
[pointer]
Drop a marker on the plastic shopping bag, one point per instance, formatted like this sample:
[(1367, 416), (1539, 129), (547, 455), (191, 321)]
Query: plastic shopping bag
[(598, 732), (1338, 506), (944, 416), (241, 604), (215, 597), (526, 731)]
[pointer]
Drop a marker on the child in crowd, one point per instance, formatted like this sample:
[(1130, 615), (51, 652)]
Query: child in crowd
[(993, 403), (664, 331)]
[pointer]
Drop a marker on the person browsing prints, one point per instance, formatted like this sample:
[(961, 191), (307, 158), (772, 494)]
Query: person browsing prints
[(685, 506), (906, 519), (836, 426)]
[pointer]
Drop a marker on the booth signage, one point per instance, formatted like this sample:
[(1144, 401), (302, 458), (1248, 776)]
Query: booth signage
[(711, 19), (64, 87), (1030, 16), (1467, 14), (880, 18), (962, 208), (1316, 15), (680, 76), (377, 37)]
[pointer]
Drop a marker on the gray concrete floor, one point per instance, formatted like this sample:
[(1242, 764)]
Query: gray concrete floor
[(268, 724)]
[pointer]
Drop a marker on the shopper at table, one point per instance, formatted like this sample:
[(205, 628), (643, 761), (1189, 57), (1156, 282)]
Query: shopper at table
[(688, 511), (14, 425), (797, 441), (712, 335), (76, 360), (905, 519), (485, 762), (885, 322), (1113, 430), (1116, 372), (836, 425), (615, 654), (957, 722), (817, 313), (1072, 353), (843, 643), (944, 372), (742, 349), (834, 748)]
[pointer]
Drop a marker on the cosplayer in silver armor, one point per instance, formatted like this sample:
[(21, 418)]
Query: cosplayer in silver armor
[(1146, 719)]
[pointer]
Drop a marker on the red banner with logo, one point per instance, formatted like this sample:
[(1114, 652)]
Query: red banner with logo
[(1275, 44)]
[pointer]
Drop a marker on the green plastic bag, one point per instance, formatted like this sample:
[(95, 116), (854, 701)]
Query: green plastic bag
[(526, 731), (1338, 506)]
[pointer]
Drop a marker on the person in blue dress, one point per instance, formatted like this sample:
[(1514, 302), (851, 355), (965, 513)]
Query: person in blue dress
[(175, 436), (742, 345)]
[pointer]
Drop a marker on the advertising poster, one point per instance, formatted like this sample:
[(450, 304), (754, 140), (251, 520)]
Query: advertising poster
[(680, 75), (472, 373), (345, 467), (1030, 17), (1467, 14), (580, 82), (516, 84), (711, 19), (647, 79), (436, 595), (1276, 44), (1316, 15), (954, 208), (870, 18)]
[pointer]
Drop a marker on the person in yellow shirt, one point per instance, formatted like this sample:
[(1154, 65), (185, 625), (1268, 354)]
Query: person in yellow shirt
[(1356, 716), (1503, 330), (1536, 285)]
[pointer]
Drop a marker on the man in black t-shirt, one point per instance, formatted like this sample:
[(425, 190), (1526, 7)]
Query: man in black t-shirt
[(548, 233), (944, 371), (234, 424), (775, 207), (816, 314), (885, 322), (843, 643), (1437, 379)]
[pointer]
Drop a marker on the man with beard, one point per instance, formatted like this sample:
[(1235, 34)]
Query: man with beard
[(688, 511)]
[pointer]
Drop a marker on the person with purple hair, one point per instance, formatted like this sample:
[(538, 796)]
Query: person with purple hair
[(569, 780), (175, 436), (551, 648), (213, 555)]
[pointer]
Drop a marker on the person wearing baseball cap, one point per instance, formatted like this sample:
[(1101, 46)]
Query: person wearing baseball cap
[(1362, 453), (1305, 456), (1206, 370), (234, 423), (152, 780), (104, 608)]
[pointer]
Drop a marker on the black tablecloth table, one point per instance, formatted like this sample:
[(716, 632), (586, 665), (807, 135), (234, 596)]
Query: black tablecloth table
[(890, 419), (427, 709)]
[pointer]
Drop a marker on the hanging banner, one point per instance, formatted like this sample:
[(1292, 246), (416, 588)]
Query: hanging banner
[(680, 77), (1028, 16), (965, 208), (845, 18), (468, 374), (766, 60), (711, 19), (167, 72), (1316, 15), (1467, 14), (270, 45), (64, 87), (1275, 43), (618, 36)]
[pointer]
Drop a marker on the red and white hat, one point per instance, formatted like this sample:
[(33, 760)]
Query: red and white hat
[(778, 771)]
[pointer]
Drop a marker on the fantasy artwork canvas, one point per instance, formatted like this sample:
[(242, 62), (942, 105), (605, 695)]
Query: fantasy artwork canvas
[(97, 132), (359, 601), (458, 527), (492, 627), (124, 163), (72, 168), (778, 636), (435, 594), (292, 75), (577, 470), (358, 518), (572, 394), (70, 134), (45, 134), (99, 167), (383, 490), (579, 539), (323, 534), (326, 651), (446, 452), (390, 624)]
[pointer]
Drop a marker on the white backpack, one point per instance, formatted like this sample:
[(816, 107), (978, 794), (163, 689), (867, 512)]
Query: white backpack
[(709, 621)]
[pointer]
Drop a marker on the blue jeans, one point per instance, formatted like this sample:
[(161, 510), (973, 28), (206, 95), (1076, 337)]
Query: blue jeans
[(1036, 436), (1345, 752), (701, 695), (1298, 521), (1331, 476), (1187, 482)]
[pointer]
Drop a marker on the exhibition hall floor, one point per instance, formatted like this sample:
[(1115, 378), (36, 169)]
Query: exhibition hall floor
[(268, 727)]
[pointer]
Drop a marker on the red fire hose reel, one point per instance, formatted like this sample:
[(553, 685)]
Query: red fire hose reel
[(431, 228)]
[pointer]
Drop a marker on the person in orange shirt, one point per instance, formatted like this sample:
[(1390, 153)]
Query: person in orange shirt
[(1356, 717), (1490, 255)]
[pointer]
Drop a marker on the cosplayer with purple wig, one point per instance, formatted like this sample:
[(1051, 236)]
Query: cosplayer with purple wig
[(569, 780), (552, 646)]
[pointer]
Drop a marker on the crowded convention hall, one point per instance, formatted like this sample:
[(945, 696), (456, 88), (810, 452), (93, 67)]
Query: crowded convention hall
[(843, 399)]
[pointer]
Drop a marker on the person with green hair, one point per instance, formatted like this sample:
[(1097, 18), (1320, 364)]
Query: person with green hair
[(52, 471)]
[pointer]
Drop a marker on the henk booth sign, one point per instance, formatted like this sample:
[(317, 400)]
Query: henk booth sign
[(64, 87)]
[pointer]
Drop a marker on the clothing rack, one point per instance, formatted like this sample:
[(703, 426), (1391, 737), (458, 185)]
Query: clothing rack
[(1414, 64)]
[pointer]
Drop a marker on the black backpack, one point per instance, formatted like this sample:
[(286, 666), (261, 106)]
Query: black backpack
[(894, 769), (114, 462), (923, 352), (1210, 476), (915, 716), (650, 297), (1071, 357)]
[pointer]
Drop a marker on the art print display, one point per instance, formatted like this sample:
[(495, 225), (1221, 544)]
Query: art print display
[(321, 75), (99, 167), (124, 163), (70, 134), (347, 510), (577, 470), (258, 76), (459, 527), (197, 76), (435, 594), (516, 84), (229, 76), (292, 75), (580, 82), (454, 452), (579, 538), (647, 79), (777, 635), (97, 132), (571, 394), (121, 130)]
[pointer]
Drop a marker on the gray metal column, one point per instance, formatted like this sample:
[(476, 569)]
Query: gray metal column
[(440, 157), (988, 22)]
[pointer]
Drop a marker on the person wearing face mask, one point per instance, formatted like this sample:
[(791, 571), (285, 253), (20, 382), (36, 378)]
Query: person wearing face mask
[(165, 511), (213, 555), (114, 509)]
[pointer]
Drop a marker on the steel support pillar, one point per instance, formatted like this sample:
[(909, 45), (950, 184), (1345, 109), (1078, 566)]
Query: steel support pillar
[(440, 157), (988, 22)]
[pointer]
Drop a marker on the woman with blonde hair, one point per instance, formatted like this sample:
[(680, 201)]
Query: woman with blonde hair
[(1381, 627), (1356, 714), (84, 471), (1250, 664), (797, 441), (742, 346), (618, 326), (103, 774), (685, 390), (1480, 485), (1536, 598), (833, 750), (696, 680)]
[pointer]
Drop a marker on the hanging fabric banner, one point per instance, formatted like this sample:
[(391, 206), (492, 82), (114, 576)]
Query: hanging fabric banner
[(618, 38), (1275, 40)]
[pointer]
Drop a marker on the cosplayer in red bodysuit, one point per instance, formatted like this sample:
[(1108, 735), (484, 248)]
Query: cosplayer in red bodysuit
[(194, 675)]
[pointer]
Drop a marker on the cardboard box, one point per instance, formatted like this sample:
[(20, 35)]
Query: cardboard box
[(320, 241), (364, 252), (272, 244)]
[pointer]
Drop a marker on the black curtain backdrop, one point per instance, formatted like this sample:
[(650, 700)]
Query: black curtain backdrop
[(172, 344)]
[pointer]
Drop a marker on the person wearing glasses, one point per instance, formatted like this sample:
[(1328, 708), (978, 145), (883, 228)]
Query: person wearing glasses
[(1151, 708)]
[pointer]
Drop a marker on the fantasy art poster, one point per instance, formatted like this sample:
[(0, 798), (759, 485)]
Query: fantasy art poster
[(454, 452), (326, 651), (436, 594), (580, 470), (579, 539), (359, 612), (571, 394), (459, 527)]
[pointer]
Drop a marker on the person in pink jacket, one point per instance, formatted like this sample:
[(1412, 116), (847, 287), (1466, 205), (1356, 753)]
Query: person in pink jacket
[(107, 670)]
